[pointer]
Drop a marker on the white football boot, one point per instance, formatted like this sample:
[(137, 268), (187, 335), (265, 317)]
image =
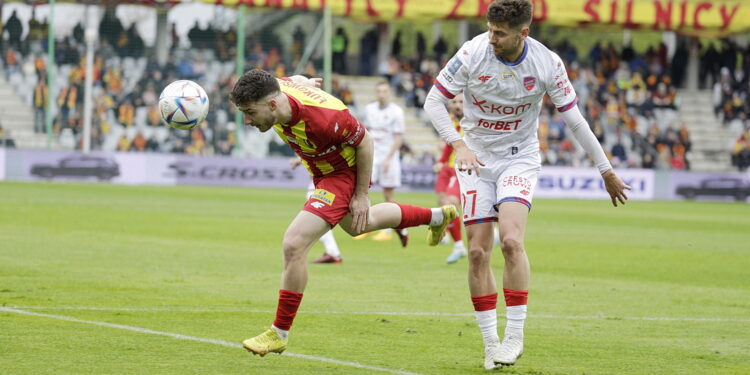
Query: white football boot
[(491, 356), (510, 350)]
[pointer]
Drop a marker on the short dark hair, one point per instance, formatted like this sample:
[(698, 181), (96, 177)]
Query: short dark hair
[(516, 13), (254, 85)]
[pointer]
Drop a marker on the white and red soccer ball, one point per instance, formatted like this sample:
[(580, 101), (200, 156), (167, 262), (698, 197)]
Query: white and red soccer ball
[(183, 104)]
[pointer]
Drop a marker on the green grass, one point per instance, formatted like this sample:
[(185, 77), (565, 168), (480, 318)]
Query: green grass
[(205, 262)]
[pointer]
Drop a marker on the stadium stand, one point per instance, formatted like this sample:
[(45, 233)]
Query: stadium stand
[(631, 100)]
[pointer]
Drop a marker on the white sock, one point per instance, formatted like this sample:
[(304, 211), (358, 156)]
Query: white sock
[(516, 317), (458, 247), (329, 242), (437, 216), (487, 321), (282, 333)]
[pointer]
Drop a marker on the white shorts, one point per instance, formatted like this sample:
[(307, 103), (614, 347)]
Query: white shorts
[(506, 179), (389, 179)]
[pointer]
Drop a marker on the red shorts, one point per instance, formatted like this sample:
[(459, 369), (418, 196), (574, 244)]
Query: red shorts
[(447, 182), (332, 195)]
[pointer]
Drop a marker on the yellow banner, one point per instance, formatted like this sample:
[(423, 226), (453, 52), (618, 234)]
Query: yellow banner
[(711, 18)]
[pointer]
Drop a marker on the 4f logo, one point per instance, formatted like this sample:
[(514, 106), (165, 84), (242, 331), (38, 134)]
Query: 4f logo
[(484, 78), (317, 204)]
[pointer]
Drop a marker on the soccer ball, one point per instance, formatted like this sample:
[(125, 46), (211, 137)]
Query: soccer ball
[(183, 104)]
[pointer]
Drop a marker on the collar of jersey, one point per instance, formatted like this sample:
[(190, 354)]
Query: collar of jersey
[(520, 59)]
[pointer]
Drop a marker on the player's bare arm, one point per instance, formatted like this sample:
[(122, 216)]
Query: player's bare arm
[(466, 160), (615, 187), (360, 203)]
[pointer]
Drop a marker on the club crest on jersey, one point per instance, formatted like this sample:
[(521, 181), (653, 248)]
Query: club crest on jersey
[(529, 83)]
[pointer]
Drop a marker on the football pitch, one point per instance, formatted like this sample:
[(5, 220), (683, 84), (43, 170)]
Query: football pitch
[(105, 279)]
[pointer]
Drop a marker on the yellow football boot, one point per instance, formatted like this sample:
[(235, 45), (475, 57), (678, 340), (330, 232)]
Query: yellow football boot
[(267, 342), (436, 233)]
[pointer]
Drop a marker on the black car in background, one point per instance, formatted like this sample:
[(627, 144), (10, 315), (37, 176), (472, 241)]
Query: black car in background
[(737, 188), (79, 166)]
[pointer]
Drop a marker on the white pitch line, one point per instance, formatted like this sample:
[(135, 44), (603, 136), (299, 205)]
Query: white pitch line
[(201, 339), (387, 313)]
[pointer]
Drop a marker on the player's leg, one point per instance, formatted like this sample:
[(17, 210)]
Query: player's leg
[(394, 181), (385, 233), (516, 273), (332, 253), (515, 190), (451, 196), (479, 215), (398, 216), (301, 234)]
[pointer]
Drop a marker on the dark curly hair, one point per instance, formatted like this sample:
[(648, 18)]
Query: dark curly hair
[(517, 13), (254, 85)]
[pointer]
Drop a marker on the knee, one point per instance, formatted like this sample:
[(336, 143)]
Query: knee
[(478, 257), (512, 246), (293, 248)]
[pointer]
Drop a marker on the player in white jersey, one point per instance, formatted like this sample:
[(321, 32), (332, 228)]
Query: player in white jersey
[(504, 75), (384, 121)]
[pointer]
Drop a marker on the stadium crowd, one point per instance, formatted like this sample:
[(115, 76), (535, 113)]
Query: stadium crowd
[(630, 99)]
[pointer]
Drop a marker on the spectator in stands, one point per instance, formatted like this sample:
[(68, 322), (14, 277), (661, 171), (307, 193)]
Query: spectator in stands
[(15, 29), (138, 143), (298, 41), (123, 144), (66, 102), (368, 46), (440, 48), (396, 46), (41, 95), (339, 46), (710, 65), (421, 46), (741, 151)]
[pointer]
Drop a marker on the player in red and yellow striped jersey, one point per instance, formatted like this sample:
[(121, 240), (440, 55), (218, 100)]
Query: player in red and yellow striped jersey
[(337, 151)]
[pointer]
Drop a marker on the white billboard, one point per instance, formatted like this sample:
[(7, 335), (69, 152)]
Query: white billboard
[(587, 183)]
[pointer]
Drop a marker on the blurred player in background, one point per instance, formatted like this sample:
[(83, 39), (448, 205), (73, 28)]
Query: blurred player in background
[(385, 123), (332, 252), (446, 185), (504, 75), (337, 151)]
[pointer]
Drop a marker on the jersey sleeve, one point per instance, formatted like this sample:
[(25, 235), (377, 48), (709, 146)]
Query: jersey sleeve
[(347, 130), (454, 76), (559, 87)]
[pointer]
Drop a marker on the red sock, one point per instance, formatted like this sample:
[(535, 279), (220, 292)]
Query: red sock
[(411, 216), (484, 303), (454, 228), (515, 297), (286, 311)]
